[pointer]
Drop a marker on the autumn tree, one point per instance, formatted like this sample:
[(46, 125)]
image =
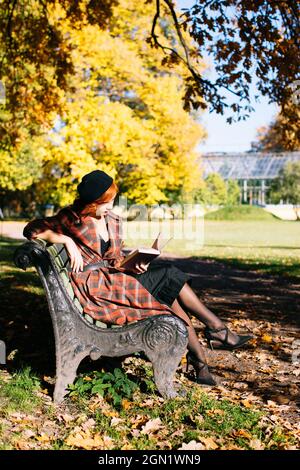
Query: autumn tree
[(283, 134), (214, 190), (233, 193), (286, 187), (240, 35), (39, 68), (123, 113)]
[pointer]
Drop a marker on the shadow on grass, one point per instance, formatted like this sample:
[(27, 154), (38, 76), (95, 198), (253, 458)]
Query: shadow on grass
[(25, 323), (290, 272)]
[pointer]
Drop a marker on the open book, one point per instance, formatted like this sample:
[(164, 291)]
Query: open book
[(144, 255)]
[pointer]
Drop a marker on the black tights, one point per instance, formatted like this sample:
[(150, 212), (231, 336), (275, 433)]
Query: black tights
[(187, 300)]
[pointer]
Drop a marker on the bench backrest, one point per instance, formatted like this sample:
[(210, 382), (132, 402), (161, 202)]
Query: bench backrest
[(62, 262)]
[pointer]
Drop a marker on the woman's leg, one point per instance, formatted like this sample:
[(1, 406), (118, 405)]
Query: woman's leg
[(189, 301), (193, 345), (203, 374)]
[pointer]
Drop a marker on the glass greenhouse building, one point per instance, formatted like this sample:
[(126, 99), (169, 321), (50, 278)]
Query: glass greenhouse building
[(253, 171)]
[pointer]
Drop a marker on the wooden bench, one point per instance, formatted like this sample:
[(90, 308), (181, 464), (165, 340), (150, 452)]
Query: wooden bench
[(162, 338)]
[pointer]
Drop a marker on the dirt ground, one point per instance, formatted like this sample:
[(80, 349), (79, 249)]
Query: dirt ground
[(266, 372)]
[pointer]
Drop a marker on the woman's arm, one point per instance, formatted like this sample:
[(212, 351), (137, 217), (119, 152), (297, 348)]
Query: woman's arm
[(52, 229), (71, 247), (51, 236)]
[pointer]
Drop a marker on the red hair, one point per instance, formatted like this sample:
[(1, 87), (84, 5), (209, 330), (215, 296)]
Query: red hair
[(90, 208)]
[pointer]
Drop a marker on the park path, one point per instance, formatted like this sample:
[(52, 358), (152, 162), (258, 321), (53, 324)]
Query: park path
[(12, 229)]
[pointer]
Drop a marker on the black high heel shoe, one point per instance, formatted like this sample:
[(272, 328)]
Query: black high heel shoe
[(208, 333), (199, 367)]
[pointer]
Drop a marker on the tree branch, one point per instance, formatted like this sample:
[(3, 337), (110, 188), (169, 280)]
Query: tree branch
[(185, 60)]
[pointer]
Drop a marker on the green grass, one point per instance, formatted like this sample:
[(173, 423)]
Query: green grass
[(193, 417), (196, 415), (182, 419), (113, 386), (242, 212), (19, 393), (271, 246)]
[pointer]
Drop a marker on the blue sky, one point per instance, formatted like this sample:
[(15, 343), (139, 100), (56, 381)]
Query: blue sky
[(236, 137)]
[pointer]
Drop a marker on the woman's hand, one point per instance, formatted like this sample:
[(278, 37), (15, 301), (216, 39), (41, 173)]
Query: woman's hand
[(140, 268), (75, 255)]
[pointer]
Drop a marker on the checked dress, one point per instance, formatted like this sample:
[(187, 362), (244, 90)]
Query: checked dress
[(110, 294)]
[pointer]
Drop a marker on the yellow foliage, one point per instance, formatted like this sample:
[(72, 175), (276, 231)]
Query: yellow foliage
[(124, 115)]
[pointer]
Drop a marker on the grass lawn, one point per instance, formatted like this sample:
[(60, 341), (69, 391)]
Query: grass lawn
[(270, 245)]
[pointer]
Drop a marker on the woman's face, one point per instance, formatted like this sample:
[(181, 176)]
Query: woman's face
[(104, 207)]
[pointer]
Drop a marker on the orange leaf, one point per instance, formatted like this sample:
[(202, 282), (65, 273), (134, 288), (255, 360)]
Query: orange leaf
[(267, 338)]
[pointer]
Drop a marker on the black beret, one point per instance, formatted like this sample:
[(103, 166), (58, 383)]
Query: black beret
[(93, 185)]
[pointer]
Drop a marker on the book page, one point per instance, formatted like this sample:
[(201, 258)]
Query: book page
[(159, 243)]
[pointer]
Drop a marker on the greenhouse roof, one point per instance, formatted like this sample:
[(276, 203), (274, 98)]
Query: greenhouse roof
[(246, 165)]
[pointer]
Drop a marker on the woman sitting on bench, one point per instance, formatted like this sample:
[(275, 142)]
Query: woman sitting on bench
[(92, 235)]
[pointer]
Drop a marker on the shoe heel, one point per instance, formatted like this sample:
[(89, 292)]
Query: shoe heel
[(210, 343)]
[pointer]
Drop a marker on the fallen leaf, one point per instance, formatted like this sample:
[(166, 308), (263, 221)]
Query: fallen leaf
[(135, 432), (281, 399), (115, 421), (28, 433), (177, 433), (88, 424), (208, 442), (43, 438), (242, 433), (65, 417), (49, 380), (215, 412), (152, 426), (256, 444), (138, 420), (266, 338), (127, 447), (231, 446), (240, 385), (148, 402), (109, 414), (84, 441), (246, 404), (108, 442), (22, 445), (126, 404), (192, 445)]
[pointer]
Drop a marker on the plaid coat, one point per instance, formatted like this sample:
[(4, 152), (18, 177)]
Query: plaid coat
[(107, 294)]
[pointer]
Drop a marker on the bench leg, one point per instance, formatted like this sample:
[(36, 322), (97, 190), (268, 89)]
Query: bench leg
[(164, 344), (65, 375), (164, 369)]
